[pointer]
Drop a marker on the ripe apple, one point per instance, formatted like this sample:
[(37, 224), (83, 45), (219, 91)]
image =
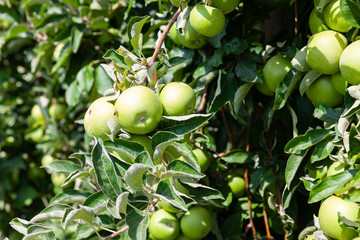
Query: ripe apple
[(339, 82), (37, 114), (96, 117), (328, 217), (333, 17), (177, 99), (275, 70), (350, 63), (315, 23), (196, 223), (324, 50), (139, 110), (207, 20), (227, 6), (237, 185), (191, 38), (322, 92), (164, 225), (57, 110)]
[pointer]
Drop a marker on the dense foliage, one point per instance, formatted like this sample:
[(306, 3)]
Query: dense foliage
[(258, 155)]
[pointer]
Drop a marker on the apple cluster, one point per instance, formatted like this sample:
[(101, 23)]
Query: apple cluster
[(204, 21), (138, 109), (169, 223), (327, 53)]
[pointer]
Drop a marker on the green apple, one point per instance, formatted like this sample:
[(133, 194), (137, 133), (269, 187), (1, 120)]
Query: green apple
[(350, 63), (207, 20), (47, 159), (237, 185), (333, 17), (164, 225), (139, 110), (97, 116), (191, 38), (177, 99), (58, 111), (328, 217), (37, 114), (310, 237), (275, 70), (203, 157), (168, 207), (324, 50), (183, 237), (339, 83), (58, 179), (315, 23), (227, 6), (322, 92), (173, 34), (196, 223), (264, 89)]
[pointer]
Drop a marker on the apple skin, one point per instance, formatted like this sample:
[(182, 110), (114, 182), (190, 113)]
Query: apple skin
[(139, 110), (328, 217), (207, 20), (315, 23), (237, 185), (173, 34), (204, 158), (57, 110), (322, 92), (37, 114), (164, 225), (339, 83), (310, 237), (177, 99), (324, 50), (227, 6), (191, 38), (96, 117), (350, 63), (168, 207), (333, 17), (196, 223), (47, 159), (264, 89), (275, 70), (183, 237)]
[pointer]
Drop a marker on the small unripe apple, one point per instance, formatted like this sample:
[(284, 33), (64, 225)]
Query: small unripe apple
[(350, 63), (339, 82), (97, 116), (227, 6), (275, 70), (334, 18), (315, 23), (324, 50), (173, 34), (196, 223), (57, 110), (191, 38), (37, 114), (164, 225), (207, 20), (237, 185), (328, 217)]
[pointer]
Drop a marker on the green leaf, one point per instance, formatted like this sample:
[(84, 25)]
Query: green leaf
[(299, 61), (134, 28), (330, 185), (52, 212), (66, 52), (201, 192), (138, 222), (63, 166), (20, 225), (352, 110), (117, 58), (77, 33), (186, 152), (102, 80), (72, 94), (326, 114), (286, 88), (83, 213), (238, 156), (181, 125), (105, 171), (160, 141), (307, 140), (16, 31), (240, 95), (179, 168), (292, 166), (134, 176), (39, 232), (322, 149), (225, 91), (354, 141), (85, 78), (167, 192), (246, 70), (307, 80), (69, 197), (97, 202), (350, 9), (122, 202)]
